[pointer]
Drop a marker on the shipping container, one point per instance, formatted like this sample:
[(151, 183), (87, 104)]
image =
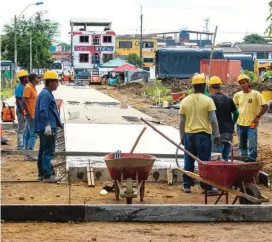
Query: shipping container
[(182, 63), (247, 62), (227, 70)]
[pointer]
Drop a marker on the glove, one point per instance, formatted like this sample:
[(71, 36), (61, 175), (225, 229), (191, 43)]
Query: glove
[(48, 130), (217, 141)]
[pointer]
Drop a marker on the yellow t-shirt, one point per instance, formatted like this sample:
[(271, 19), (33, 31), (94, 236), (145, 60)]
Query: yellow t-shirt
[(196, 108), (31, 93), (248, 105)]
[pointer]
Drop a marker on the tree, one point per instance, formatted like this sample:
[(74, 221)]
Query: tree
[(41, 31), (134, 59), (269, 18), (254, 39), (65, 46)]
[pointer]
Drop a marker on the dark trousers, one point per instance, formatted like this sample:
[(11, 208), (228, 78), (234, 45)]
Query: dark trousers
[(46, 153), (200, 145)]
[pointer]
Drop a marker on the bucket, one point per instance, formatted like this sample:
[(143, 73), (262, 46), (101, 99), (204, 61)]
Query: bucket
[(8, 113), (267, 95)]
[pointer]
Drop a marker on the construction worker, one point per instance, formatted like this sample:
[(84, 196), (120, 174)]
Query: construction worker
[(72, 77), (29, 99), (249, 102), (197, 121), (47, 121), (227, 115), (19, 90)]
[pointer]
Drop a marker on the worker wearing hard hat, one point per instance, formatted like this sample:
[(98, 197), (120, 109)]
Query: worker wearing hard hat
[(47, 121), (197, 122), (251, 106), (227, 115), (19, 90)]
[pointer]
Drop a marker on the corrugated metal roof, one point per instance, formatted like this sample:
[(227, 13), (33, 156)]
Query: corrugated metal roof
[(113, 63), (255, 47)]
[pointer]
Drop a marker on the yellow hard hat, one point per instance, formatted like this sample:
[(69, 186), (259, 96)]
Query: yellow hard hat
[(242, 77), (198, 79), (22, 73), (51, 75), (215, 80)]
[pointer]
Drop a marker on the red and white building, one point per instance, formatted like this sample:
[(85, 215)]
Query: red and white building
[(91, 48)]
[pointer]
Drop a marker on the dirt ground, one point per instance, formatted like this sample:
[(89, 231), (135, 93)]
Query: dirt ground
[(144, 232), (13, 167)]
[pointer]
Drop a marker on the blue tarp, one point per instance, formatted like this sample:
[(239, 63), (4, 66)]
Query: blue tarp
[(182, 63), (247, 62)]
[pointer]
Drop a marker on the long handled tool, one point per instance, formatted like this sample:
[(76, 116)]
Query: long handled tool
[(171, 141), (137, 140)]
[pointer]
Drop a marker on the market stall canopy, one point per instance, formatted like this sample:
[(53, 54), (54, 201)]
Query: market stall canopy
[(113, 63), (125, 67)]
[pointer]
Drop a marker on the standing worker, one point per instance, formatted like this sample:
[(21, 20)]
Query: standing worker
[(249, 102), (227, 115), (47, 121), (19, 90), (197, 121), (72, 77), (29, 100)]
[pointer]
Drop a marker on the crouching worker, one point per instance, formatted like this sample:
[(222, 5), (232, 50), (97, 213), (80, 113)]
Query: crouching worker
[(47, 121), (197, 120)]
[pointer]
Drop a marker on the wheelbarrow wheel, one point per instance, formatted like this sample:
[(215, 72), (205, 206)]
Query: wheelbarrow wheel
[(142, 190), (117, 191), (129, 190), (252, 190)]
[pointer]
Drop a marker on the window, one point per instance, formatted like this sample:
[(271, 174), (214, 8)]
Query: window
[(148, 60), (107, 57), (84, 39), (106, 39), (84, 58), (125, 44), (262, 55), (96, 58), (96, 41), (148, 44)]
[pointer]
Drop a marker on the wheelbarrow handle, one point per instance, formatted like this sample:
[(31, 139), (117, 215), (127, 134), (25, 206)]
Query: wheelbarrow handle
[(171, 141)]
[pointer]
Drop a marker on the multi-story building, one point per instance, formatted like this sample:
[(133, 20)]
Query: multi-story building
[(91, 48), (131, 45)]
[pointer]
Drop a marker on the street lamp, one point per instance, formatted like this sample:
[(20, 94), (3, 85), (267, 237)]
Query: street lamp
[(15, 36)]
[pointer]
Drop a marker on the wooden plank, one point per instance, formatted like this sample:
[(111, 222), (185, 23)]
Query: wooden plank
[(235, 192), (92, 177), (89, 176), (169, 176)]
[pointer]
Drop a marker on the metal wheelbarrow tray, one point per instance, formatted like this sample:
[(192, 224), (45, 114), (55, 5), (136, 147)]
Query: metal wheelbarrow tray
[(129, 167)]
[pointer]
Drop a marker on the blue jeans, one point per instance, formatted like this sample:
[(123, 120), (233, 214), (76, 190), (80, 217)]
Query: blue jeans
[(46, 153), (199, 144), (248, 140), (224, 148), (30, 136), (20, 130)]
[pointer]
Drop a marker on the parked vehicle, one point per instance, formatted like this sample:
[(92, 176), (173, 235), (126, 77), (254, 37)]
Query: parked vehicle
[(83, 75)]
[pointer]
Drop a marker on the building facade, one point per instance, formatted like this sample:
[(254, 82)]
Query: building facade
[(90, 48), (131, 45)]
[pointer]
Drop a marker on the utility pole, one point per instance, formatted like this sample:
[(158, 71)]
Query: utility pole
[(141, 39), (15, 41), (30, 51), (211, 55)]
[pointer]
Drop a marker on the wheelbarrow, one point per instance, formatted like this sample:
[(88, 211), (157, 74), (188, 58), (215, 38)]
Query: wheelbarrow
[(129, 167), (236, 177)]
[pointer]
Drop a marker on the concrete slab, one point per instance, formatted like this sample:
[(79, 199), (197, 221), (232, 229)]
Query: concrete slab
[(137, 213)]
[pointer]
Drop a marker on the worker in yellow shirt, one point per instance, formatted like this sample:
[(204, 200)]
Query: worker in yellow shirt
[(197, 123), (248, 102)]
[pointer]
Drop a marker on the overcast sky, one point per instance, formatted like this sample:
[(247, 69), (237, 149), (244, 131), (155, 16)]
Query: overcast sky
[(234, 18)]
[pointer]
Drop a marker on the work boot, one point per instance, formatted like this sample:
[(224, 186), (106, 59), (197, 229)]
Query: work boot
[(40, 178), (187, 189), (30, 158), (51, 179), (213, 191)]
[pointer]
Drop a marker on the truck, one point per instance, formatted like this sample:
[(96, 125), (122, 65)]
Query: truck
[(182, 63), (62, 67)]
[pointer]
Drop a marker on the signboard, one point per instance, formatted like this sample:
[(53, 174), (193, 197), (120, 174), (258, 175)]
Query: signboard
[(92, 48)]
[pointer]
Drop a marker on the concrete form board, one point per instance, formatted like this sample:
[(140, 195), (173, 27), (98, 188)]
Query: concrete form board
[(137, 213)]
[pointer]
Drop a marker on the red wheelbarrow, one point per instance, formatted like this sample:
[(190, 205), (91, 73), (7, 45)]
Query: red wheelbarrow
[(236, 177), (129, 167)]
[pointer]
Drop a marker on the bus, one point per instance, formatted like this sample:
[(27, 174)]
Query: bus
[(8, 72)]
